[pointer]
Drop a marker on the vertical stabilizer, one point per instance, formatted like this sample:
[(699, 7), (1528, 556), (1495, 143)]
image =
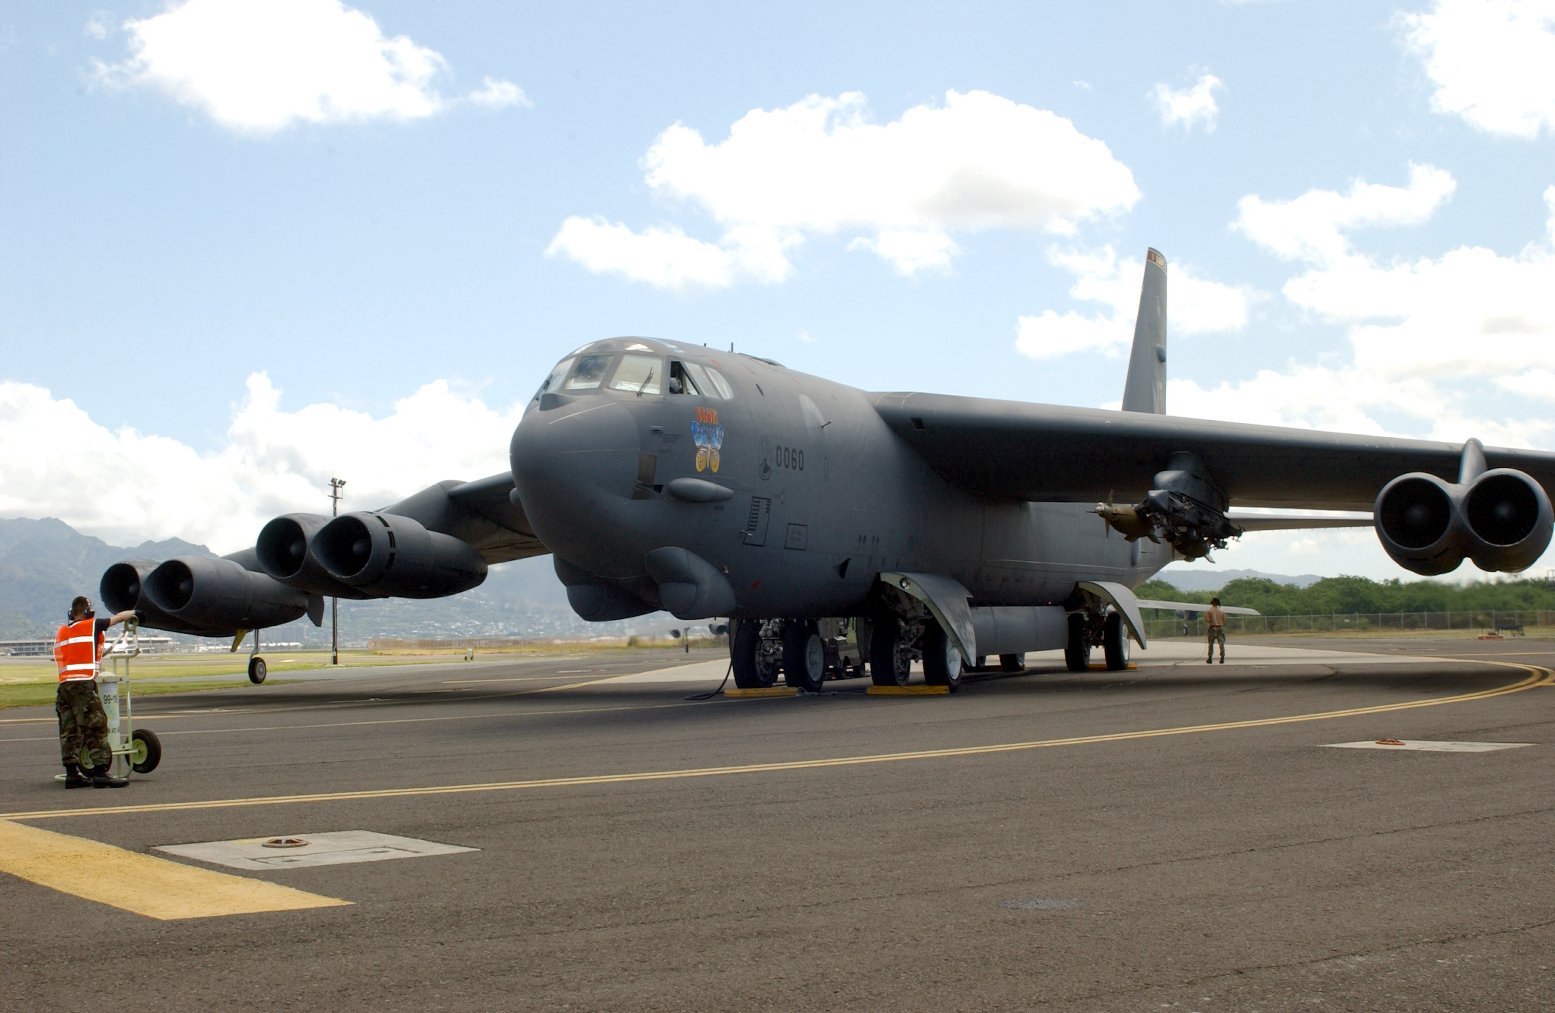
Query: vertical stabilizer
[(1145, 388)]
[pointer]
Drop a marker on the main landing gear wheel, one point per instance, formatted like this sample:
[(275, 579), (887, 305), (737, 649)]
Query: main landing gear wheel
[(1114, 642), (941, 659), (145, 751), (804, 656), (890, 659), (1077, 650), (1012, 662), (257, 670), (754, 668)]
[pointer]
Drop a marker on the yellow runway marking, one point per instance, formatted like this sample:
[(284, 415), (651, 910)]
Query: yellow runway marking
[(140, 884), (1536, 677)]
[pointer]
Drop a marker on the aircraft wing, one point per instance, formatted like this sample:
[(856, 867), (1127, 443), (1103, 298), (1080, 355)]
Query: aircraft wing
[(436, 542), (484, 514), (1188, 606), (1061, 454)]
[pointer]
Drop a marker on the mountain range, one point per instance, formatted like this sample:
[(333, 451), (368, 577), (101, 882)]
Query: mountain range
[(44, 563)]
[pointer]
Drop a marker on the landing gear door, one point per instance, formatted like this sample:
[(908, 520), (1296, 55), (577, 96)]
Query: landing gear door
[(1123, 600), (946, 600)]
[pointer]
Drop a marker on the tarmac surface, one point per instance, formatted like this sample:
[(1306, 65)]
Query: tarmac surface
[(1180, 836)]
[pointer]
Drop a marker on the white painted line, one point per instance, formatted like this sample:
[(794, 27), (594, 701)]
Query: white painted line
[(1427, 746), (340, 848)]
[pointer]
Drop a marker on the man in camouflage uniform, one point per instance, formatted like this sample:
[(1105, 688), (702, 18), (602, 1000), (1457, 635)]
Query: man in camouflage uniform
[(83, 725)]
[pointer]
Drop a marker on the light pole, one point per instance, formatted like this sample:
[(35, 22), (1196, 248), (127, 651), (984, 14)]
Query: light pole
[(335, 485)]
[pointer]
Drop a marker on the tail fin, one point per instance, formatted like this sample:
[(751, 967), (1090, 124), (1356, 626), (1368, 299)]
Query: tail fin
[(1145, 388)]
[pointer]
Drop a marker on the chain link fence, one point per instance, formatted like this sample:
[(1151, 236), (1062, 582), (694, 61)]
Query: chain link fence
[(1507, 623)]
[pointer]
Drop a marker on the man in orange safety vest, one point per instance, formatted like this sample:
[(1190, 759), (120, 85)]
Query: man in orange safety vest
[(83, 725)]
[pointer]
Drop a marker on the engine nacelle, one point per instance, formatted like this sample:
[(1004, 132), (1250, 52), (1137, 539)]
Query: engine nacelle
[(1509, 516), (219, 596), (123, 588), (284, 551), (391, 555), (1502, 520)]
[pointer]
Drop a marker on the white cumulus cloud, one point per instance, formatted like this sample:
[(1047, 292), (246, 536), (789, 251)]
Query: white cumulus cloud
[(1315, 226), (1190, 107), (1469, 311), (260, 66), (902, 190), (1194, 306), (271, 461), (1491, 62)]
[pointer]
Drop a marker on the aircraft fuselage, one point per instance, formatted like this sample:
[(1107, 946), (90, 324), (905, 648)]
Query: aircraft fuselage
[(792, 487)]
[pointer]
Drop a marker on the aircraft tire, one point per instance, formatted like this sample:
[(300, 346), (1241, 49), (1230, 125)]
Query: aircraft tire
[(804, 656), (257, 670), (890, 663), (1077, 651), (1115, 642), (744, 655), (941, 659), (145, 751), (1012, 662)]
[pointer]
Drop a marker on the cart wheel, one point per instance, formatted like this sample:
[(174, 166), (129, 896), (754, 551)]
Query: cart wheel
[(256, 670), (145, 751)]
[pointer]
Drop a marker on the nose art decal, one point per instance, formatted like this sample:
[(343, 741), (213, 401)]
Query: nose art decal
[(708, 436)]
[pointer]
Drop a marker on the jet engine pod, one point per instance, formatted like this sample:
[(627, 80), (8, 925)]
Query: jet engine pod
[(390, 555), (1418, 522), (123, 588), (284, 552), (1509, 520), (218, 596)]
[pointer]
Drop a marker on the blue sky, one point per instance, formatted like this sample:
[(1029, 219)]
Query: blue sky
[(252, 244)]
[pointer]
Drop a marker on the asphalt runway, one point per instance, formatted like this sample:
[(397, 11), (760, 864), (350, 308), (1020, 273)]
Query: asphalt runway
[(1181, 836)]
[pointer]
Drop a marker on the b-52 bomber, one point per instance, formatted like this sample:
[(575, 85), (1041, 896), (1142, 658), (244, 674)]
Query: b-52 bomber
[(661, 475)]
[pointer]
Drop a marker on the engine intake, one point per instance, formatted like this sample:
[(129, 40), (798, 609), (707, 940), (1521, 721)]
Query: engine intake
[(123, 588), (285, 552), (382, 554), (219, 596), (1501, 519)]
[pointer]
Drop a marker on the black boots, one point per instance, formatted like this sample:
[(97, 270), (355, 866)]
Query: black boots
[(97, 777), (102, 777)]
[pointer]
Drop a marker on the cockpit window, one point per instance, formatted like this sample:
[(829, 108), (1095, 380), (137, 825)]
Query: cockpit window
[(680, 379), (638, 374), (718, 386), (589, 373), (553, 382)]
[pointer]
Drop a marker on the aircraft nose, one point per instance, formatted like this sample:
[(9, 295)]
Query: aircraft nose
[(573, 465)]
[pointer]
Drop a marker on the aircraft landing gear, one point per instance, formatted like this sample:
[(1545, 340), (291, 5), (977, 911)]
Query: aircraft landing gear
[(1088, 630), (941, 658), (756, 651), (804, 656), (890, 651), (1077, 651)]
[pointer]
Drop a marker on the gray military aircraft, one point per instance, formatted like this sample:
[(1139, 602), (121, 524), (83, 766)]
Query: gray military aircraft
[(660, 475)]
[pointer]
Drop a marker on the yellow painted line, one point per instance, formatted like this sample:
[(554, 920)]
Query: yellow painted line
[(907, 691), (140, 884), (1536, 677)]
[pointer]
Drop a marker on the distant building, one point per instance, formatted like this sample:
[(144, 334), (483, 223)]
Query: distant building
[(45, 648)]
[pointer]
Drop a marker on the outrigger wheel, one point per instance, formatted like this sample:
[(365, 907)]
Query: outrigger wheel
[(257, 670)]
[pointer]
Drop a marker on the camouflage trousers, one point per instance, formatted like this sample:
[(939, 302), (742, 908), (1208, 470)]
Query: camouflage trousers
[(1216, 633), (82, 723)]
